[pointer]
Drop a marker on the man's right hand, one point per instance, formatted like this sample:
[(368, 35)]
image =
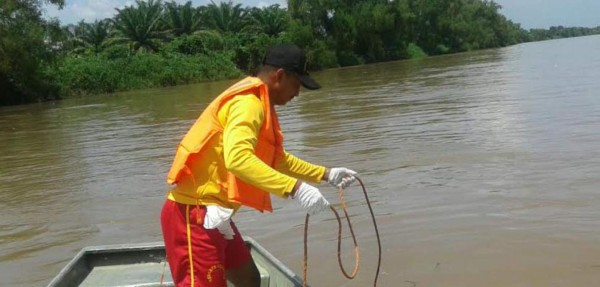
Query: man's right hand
[(310, 198)]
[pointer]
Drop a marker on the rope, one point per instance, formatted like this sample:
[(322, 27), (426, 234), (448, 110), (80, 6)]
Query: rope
[(339, 245), (162, 275)]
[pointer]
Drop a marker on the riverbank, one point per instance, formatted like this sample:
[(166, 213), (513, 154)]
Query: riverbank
[(154, 43), (117, 71), (101, 74)]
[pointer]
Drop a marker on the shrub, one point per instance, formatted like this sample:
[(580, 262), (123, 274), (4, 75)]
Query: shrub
[(97, 74), (415, 51), (320, 56)]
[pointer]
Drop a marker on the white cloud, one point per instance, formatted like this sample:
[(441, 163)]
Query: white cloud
[(87, 10), (90, 10), (530, 13), (282, 3)]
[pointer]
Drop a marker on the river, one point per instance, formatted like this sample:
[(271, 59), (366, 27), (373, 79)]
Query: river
[(482, 167)]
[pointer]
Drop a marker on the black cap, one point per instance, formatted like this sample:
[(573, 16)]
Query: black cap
[(291, 58)]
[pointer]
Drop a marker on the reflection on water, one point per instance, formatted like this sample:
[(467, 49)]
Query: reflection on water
[(482, 168)]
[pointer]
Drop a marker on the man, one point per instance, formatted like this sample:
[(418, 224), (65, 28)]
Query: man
[(232, 156)]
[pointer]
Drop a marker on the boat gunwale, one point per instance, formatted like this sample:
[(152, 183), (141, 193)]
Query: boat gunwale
[(87, 252)]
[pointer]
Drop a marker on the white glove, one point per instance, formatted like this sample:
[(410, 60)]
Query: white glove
[(311, 199), (219, 217), (341, 177)]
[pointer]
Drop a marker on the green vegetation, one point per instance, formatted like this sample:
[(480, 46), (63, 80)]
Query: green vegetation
[(24, 54), (153, 43), (557, 32)]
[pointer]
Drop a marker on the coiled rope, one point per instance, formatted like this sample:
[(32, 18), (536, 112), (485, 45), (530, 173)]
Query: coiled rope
[(339, 241)]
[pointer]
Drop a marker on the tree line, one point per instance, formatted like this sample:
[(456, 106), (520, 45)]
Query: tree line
[(153, 43)]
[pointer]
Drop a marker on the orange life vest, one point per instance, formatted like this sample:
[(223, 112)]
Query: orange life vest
[(268, 146)]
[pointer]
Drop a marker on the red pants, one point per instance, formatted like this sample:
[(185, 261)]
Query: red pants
[(186, 240)]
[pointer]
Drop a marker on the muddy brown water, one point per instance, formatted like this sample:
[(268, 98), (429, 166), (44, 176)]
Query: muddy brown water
[(483, 169)]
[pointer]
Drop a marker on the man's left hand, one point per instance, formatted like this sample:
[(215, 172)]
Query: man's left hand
[(341, 177)]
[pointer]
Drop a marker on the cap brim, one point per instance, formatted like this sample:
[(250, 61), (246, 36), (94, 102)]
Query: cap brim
[(308, 82)]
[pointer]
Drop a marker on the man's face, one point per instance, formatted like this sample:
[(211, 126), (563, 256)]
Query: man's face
[(286, 87)]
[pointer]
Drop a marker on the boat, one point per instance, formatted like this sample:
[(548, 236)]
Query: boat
[(144, 264)]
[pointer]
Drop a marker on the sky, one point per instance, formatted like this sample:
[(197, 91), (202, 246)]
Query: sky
[(528, 13)]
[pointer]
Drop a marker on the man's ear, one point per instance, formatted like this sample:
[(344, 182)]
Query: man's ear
[(279, 74)]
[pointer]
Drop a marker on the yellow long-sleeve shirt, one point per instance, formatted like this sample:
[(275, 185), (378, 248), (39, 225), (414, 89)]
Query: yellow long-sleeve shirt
[(233, 151)]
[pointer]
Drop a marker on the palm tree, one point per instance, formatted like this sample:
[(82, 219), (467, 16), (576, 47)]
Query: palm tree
[(94, 36), (139, 26), (182, 19), (72, 37), (226, 17), (270, 20)]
